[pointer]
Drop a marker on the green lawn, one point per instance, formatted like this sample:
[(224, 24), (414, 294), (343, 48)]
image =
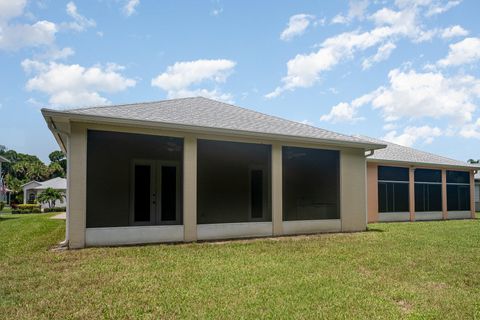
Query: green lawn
[(6, 210), (401, 270)]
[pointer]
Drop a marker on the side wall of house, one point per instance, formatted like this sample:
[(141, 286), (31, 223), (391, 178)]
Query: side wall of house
[(372, 196)]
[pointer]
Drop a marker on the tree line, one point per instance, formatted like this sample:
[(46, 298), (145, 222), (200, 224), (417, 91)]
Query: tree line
[(24, 168)]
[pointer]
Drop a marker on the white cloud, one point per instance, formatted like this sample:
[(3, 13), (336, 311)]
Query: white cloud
[(454, 31), (356, 10), (463, 52), (383, 53), (297, 25), (413, 96), (438, 8), (342, 112), (179, 78), (130, 7), (79, 23), (471, 130), (10, 9), (57, 54), (347, 112), (410, 135), (304, 70), (416, 95), (75, 85), (339, 19), (13, 37)]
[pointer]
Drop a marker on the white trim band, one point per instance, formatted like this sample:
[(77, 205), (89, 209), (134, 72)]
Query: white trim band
[(452, 215), (217, 231), (311, 226), (393, 216), (430, 215), (116, 236)]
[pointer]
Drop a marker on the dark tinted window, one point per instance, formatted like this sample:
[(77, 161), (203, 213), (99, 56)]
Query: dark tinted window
[(428, 197), (393, 197), (458, 197), (392, 173), (169, 193), (310, 184), (233, 182), (458, 177), (256, 196), (142, 193), (428, 175)]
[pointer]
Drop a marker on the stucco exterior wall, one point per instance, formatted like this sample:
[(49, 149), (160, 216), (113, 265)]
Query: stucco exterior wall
[(353, 197), (372, 190), (77, 184)]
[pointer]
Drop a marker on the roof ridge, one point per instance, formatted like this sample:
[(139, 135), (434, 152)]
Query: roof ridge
[(123, 104)]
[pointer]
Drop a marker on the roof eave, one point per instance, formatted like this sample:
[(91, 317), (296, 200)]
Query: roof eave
[(49, 113), (426, 164)]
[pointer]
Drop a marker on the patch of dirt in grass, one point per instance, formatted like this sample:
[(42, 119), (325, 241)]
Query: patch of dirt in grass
[(405, 306)]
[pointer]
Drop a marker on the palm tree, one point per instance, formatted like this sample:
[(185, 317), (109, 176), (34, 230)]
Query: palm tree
[(50, 196)]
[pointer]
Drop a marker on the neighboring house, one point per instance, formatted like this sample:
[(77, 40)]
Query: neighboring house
[(405, 184), (477, 192), (198, 169), (33, 188), (4, 192)]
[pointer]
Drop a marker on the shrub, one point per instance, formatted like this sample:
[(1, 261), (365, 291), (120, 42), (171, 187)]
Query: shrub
[(56, 209), (27, 208)]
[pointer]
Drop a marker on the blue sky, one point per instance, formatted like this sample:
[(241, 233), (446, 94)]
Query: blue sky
[(406, 71)]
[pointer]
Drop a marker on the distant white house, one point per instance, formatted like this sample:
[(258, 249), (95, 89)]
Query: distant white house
[(33, 188)]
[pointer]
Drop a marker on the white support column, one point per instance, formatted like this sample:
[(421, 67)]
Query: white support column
[(190, 188), (277, 190), (77, 186)]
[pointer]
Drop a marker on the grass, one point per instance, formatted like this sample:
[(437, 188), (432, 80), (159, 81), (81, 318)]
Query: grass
[(6, 210), (398, 270)]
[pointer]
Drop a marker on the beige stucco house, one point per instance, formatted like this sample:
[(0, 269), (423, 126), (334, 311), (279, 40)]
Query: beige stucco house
[(197, 169), (405, 184)]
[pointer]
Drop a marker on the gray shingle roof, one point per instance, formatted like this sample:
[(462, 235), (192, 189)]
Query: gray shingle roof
[(55, 183), (398, 153), (204, 112)]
